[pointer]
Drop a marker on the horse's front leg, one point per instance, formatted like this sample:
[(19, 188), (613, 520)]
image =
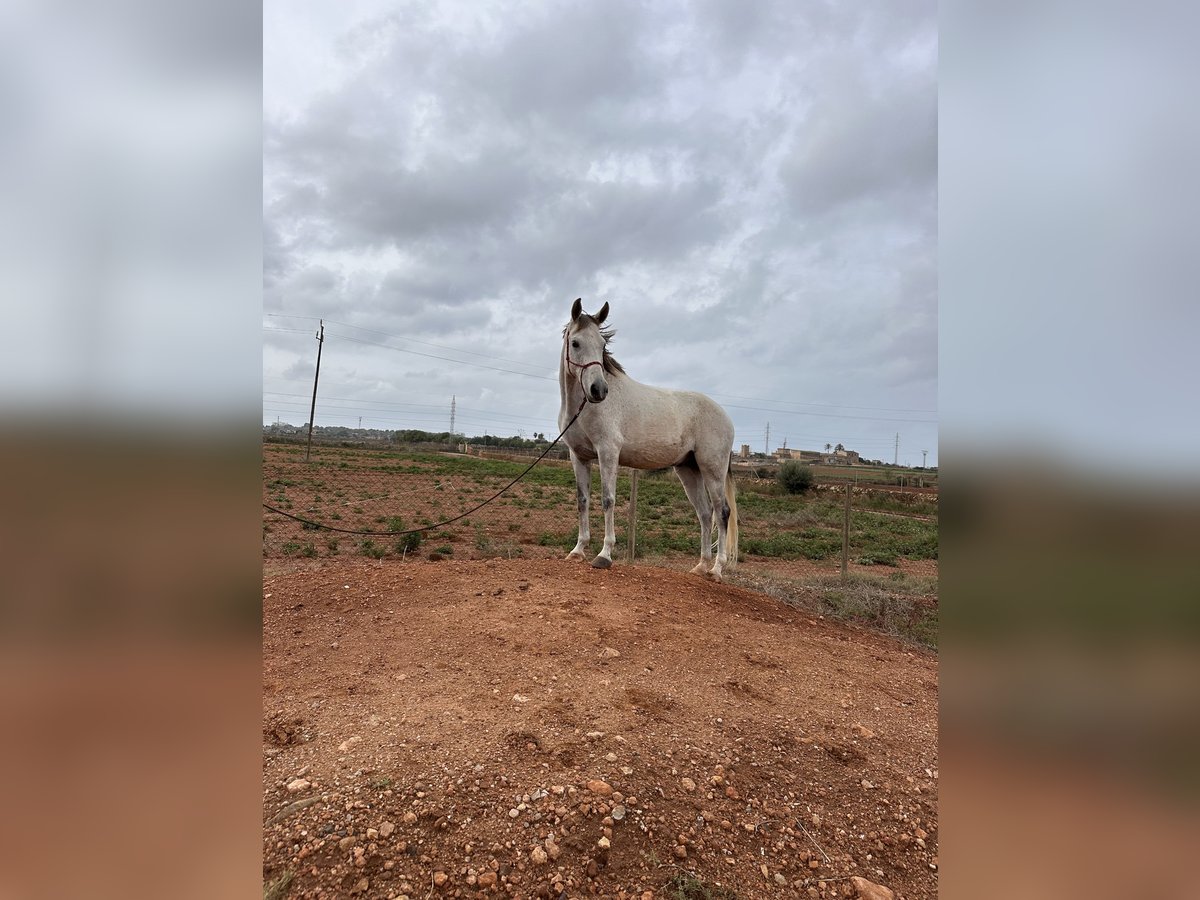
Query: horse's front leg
[(583, 486), (608, 500)]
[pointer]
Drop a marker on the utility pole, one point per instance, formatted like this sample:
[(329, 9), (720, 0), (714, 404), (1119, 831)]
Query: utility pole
[(360, 421), (453, 402), (313, 411), (924, 453), (896, 458), (767, 441)]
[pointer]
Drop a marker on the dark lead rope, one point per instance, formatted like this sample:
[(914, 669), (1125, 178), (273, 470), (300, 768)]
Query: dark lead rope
[(310, 522)]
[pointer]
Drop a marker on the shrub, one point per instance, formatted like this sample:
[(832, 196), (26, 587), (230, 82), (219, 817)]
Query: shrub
[(795, 477), (369, 548), (409, 543)]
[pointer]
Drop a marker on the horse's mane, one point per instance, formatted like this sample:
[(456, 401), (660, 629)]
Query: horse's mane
[(608, 361)]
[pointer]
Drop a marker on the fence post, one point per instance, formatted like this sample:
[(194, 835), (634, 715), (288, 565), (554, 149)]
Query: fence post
[(631, 530), (846, 533)]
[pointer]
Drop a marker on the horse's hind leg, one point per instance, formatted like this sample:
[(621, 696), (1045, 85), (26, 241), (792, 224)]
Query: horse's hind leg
[(583, 485), (715, 490), (693, 486)]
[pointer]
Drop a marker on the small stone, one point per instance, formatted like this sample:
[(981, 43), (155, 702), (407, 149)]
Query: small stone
[(487, 879), (372, 833), (346, 843), (440, 879), (603, 788), (814, 864), (869, 890), (348, 743), (300, 784), (780, 879), (513, 813), (680, 851), (538, 856), (386, 829), (410, 818), (552, 849), (862, 731), (610, 757), (361, 886), (618, 813), (604, 843), (610, 653), (688, 784)]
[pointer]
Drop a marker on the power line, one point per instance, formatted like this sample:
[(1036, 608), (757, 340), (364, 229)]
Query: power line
[(461, 362), (403, 338), (814, 403)]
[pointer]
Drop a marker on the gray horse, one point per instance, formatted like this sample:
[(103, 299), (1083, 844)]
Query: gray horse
[(624, 423)]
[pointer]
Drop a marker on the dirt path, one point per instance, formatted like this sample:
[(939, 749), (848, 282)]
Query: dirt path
[(542, 729)]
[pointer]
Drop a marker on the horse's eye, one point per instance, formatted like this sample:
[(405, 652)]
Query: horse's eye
[(575, 344)]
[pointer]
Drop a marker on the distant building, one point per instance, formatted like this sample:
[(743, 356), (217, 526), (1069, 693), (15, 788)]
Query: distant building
[(745, 454), (840, 458)]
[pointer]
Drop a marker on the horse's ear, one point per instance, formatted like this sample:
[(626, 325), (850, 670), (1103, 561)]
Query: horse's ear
[(576, 308), (602, 315)]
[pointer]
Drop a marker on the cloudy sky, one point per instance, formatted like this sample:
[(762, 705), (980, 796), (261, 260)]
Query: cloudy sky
[(751, 187)]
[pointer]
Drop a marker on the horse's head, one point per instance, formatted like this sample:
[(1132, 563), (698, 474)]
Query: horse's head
[(584, 351)]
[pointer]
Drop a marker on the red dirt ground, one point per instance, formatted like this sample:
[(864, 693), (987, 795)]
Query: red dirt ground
[(539, 728)]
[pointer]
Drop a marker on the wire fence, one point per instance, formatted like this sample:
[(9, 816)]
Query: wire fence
[(393, 489)]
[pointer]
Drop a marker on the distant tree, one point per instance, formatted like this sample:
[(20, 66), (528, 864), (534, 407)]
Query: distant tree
[(828, 447), (839, 448)]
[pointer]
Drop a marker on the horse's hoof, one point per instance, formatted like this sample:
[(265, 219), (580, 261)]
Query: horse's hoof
[(715, 576), (574, 555), (699, 569), (601, 562)]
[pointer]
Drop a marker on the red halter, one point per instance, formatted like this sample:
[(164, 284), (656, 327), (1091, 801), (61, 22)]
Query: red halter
[(570, 362), (580, 367)]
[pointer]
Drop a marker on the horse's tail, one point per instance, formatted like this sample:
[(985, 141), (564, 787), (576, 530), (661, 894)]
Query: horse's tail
[(731, 530)]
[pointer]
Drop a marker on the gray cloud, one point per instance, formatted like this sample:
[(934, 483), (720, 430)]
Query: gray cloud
[(752, 188)]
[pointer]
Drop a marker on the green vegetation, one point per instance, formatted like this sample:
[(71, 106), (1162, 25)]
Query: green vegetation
[(796, 477), (369, 548), (898, 604), (409, 543)]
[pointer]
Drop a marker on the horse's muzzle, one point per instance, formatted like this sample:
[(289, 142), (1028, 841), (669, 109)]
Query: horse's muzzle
[(598, 391)]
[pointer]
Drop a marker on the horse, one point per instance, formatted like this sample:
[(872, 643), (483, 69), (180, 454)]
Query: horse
[(622, 422)]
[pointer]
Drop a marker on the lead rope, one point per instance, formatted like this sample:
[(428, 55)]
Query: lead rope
[(313, 524)]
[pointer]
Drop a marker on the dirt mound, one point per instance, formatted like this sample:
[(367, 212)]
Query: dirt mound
[(544, 729)]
